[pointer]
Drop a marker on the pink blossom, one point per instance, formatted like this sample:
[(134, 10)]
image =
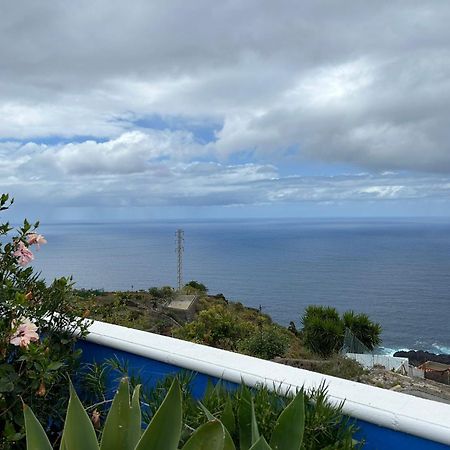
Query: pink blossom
[(38, 239), (23, 254), (24, 333)]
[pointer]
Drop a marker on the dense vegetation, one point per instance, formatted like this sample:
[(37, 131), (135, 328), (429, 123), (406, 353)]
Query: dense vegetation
[(324, 425), (231, 326), (324, 329), (37, 353)]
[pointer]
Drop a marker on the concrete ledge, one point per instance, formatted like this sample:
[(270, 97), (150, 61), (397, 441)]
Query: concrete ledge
[(400, 412)]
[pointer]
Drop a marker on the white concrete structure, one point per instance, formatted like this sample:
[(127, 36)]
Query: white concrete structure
[(388, 362), (392, 410)]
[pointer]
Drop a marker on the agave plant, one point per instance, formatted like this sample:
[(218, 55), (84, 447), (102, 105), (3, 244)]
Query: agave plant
[(122, 429)]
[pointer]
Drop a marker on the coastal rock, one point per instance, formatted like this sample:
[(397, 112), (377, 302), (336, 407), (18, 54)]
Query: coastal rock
[(418, 357)]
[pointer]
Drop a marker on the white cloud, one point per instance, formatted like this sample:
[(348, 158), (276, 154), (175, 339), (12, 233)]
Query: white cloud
[(139, 169), (364, 84)]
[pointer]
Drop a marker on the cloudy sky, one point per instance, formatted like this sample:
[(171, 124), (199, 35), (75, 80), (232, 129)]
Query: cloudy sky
[(163, 109)]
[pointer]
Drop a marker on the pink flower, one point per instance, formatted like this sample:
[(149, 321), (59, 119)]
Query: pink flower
[(38, 239), (23, 254), (24, 333)]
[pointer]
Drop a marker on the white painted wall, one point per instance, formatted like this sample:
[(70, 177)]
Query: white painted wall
[(388, 362), (394, 410), (415, 372)]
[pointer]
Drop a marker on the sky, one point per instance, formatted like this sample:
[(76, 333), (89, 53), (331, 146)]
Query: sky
[(140, 110)]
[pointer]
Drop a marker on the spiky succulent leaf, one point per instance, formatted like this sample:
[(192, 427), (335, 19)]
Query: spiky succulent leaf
[(210, 436), (164, 430), (290, 426), (122, 428), (36, 437), (79, 433)]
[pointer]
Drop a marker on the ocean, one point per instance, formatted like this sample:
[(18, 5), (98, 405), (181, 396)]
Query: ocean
[(396, 271)]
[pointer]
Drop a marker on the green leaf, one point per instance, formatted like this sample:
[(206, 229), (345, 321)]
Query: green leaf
[(6, 385), (290, 426), (79, 433), (210, 436), (120, 431), (135, 414), (208, 415), (228, 439), (55, 366), (260, 444), (164, 430), (248, 434), (227, 418), (36, 437), (255, 431)]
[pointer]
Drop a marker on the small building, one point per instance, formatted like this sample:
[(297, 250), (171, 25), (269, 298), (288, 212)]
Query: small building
[(182, 307), (436, 371)]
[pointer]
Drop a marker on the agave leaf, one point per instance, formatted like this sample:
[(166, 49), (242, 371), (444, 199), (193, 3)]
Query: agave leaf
[(164, 430), (260, 444), (36, 437), (229, 445), (78, 431), (208, 415), (227, 418), (290, 426), (122, 428), (247, 431), (209, 436), (255, 431), (135, 415)]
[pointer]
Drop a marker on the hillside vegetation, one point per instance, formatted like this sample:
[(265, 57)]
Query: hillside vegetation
[(223, 324)]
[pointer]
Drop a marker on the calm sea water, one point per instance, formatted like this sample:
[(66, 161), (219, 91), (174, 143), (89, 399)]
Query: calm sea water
[(396, 271)]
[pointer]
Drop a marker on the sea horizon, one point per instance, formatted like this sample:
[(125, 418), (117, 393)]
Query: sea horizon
[(387, 268)]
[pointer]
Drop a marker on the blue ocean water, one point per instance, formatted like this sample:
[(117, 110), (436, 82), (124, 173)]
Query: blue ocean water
[(397, 271)]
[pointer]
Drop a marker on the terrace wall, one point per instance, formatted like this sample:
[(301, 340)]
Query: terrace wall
[(388, 420)]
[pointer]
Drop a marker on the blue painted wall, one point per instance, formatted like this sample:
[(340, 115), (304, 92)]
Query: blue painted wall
[(150, 371)]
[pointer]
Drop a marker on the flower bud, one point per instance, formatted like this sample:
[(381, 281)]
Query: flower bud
[(95, 418), (42, 390)]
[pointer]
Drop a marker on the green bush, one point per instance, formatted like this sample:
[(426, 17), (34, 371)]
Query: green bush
[(368, 332), (196, 286), (162, 293), (37, 324), (216, 327), (122, 429), (325, 425), (323, 329), (267, 343), (254, 334)]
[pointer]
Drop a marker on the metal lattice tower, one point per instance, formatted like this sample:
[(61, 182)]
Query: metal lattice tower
[(180, 249)]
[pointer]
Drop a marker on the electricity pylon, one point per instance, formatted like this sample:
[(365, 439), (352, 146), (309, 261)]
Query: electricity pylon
[(180, 249)]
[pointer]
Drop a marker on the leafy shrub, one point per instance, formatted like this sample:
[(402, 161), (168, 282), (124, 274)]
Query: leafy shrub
[(325, 425), (323, 329), (216, 327), (162, 293), (37, 324), (196, 286), (363, 328), (267, 343), (122, 430), (219, 326)]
